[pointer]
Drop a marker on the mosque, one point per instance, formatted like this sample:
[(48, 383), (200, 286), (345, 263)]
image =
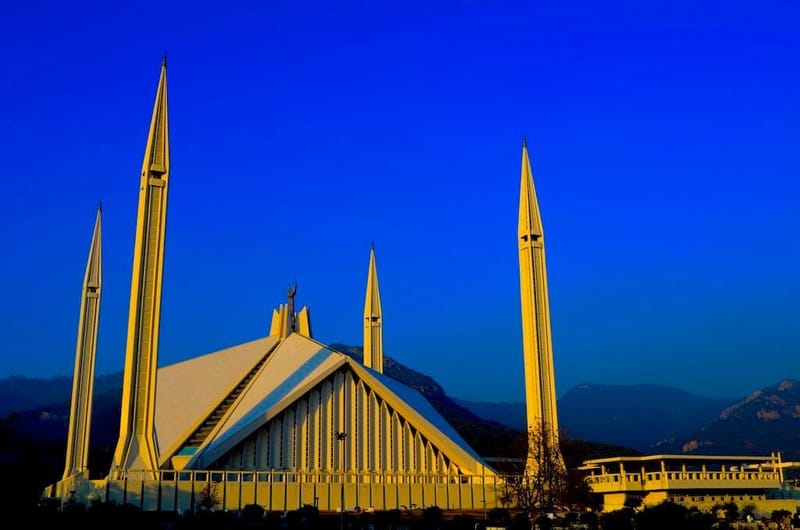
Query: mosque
[(282, 421), (286, 421)]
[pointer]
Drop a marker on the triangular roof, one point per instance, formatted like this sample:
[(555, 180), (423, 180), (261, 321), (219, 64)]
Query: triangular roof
[(292, 370), (187, 391)]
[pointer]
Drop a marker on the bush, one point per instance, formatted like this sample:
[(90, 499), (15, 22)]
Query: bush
[(590, 519), (666, 516), (520, 521), (432, 515), (618, 520), (544, 522), (498, 517), (731, 511), (700, 520), (387, 519), (462, 522), (309, 515), (253, 513), (779, 515)]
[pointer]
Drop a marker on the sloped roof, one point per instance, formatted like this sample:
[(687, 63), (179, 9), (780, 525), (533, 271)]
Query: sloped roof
[(418, 402), (186, 391), (295, 367)]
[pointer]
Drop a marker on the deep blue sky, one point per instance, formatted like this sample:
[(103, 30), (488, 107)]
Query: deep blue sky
[(664, 139)]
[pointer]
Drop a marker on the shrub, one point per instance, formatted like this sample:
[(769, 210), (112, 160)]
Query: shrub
[(666, 516), (498, 517), (252, 513), (432, 515)]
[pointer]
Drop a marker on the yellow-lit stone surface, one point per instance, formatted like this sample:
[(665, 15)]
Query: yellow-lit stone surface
[(284, 420), (702, 481), (136, 448), (537, 344), (373, 319), (80, 412)]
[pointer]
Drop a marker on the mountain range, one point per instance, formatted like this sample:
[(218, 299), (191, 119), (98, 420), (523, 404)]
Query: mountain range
[(598, 420), (638, 416), (659, 419)]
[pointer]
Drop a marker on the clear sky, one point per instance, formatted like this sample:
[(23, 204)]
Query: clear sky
[(664, 140)]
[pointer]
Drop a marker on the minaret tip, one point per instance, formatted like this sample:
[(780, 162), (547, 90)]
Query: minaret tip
[(373, 326), (372, 246), (524, 142), (164, 61), (100, 206), (136, 447)]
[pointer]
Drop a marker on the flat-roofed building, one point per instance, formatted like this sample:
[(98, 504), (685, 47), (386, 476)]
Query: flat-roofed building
[(702, 481)]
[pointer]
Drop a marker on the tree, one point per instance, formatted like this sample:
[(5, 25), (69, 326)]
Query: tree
[(665, 516), (731, 510), (432, 515), (539, 486), (633, 501), (700, 520), (208, 497), (622, 519), (590, 519), (782, 517), (498, 517), (253, 513)]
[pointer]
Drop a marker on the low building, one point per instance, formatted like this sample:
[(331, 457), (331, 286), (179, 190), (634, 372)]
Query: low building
[(701, 481)]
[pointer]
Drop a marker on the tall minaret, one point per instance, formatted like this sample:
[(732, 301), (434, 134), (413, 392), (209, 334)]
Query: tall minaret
[(80, 411), (540, 389), (373, 319), (136, 449)]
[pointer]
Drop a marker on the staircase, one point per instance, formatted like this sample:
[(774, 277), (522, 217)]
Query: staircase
[(200, 434)]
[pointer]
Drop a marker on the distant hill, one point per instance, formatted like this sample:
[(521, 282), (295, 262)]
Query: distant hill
[(511, 414), (767, 420), (637, 416), (36, 414), (600, 421), (658, 419), (18, 393), (640, 416), (35, 419), (38, 409), (646, 418)]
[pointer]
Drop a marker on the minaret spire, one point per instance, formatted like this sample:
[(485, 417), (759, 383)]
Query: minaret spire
[(373, 319), (80, 412), (136, 449), (291, 291), (540, 392)]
